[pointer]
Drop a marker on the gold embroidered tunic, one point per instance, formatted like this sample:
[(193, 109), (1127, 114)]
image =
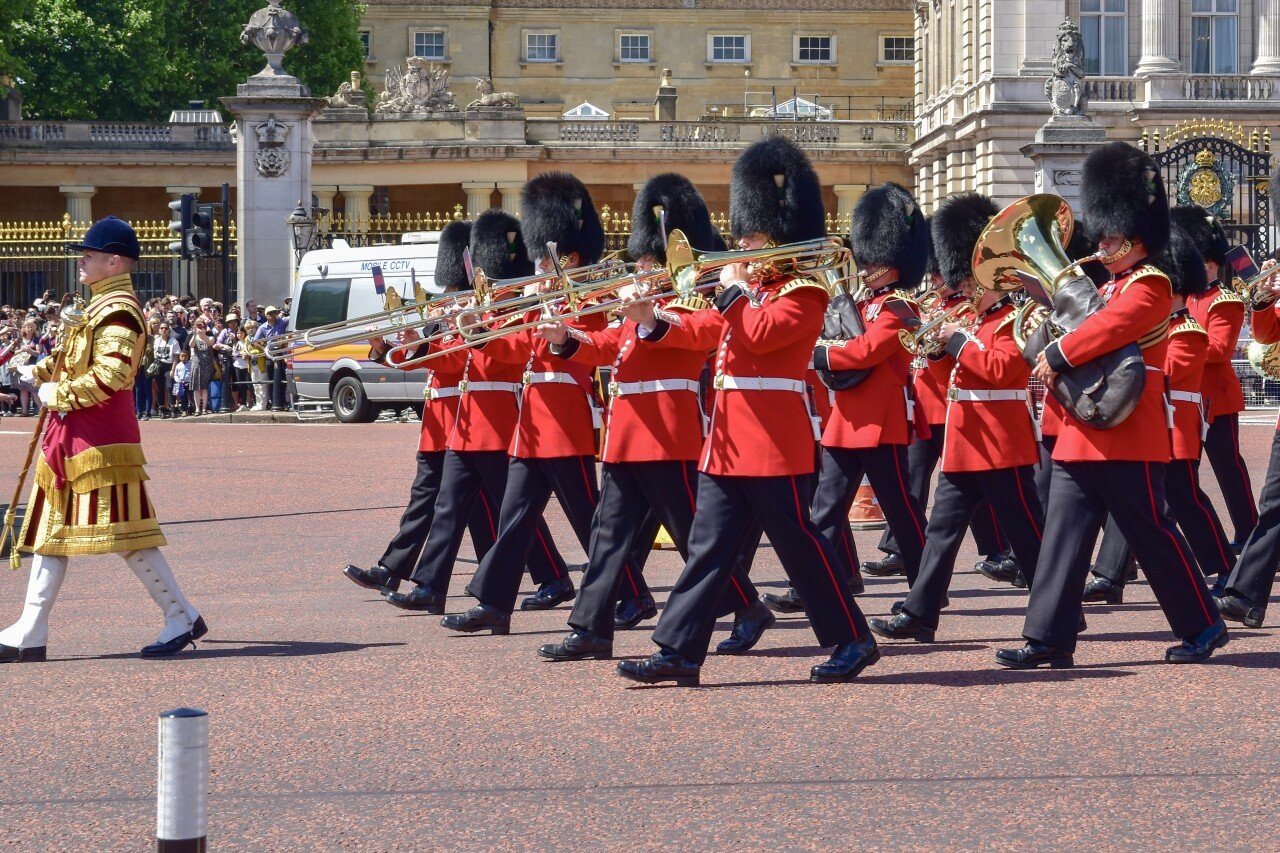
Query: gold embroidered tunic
[(90, 495)]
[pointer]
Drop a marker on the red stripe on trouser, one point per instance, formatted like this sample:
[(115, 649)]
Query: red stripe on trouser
[(906, 496), (1208, 516), (1027, 507), (738, 588), (817, 546), (1244, 472), (488, 514), (1195, 580), (995, 526)]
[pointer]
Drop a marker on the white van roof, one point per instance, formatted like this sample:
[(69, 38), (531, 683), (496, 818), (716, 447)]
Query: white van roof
[(399, 262)]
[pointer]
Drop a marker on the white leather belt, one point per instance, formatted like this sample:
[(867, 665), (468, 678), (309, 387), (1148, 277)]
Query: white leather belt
[(978, 395), (442, 393), (468, 387), (756, 383), (1187, 396), (548, 378), (650, 386)]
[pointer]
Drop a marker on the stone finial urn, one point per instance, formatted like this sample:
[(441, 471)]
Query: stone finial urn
[(273, 31)]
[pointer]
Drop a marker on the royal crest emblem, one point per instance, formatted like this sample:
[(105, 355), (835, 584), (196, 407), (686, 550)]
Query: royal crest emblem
[(1208, 184)]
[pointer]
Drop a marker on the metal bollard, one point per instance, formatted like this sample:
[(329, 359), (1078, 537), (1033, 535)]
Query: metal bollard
[(183, 786)]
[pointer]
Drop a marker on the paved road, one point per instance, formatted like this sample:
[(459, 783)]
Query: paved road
[(338, 722)]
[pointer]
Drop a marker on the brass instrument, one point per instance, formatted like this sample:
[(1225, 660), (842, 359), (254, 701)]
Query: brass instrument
[(920, 341), (1029, 317), (1024, 241), (1264, 359), (1255, 291), (691, 268), (393, 316)]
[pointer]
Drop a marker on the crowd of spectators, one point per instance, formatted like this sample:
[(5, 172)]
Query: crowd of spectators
[(197, 359)]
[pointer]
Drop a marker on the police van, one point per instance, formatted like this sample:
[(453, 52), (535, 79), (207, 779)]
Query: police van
[(342, 284)]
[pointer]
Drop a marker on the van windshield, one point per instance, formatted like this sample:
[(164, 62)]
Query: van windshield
[(321, 302)]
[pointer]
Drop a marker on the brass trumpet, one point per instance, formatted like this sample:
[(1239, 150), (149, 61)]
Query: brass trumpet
[(691, 268), (920, 341)]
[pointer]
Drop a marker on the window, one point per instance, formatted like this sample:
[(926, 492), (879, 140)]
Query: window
[(815, 49), (1104, 25), (1214, 36), (898, 49), (634, 47), (380, 202), (729, 49), (366, 40), (541, 47), (321, 302), (429, 45)]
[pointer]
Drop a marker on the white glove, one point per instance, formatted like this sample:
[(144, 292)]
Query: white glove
[(46, 393), (26, 371)]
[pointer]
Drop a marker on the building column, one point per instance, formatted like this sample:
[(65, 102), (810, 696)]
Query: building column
[(847, 196), (1159, 39), (356, 207), (79, 204), (1267, 62), (324, 196), (479, 197), (510, 196)]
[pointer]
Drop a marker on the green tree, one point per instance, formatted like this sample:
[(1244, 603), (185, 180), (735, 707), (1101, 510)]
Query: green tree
[(135, 60)]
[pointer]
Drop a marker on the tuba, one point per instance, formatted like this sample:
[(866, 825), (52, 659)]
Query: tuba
[(1022, 246), (1264, 359)]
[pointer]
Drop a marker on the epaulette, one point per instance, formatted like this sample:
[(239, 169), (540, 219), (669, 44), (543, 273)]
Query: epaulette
[(901, 297), (1188, 325), (1007, 321), (800, 282), (1145, 271), (693, 302), (113, 303), (1225, 296)]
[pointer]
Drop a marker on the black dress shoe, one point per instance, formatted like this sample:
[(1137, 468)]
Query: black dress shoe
[(846, 662), (1103, 591), (421, 597), (578, 645), (903, 626), (1237, 608), (1237, 545), (632, 611), (787, 602), (9, 654), (1001, 571), (377, 578), (1131, 571), (1019, 580), (551, 594), (178, 643), (1035, 654), (1219, 587), (482, 617), (887, 566), (749, 625), (1200, 647), (662, 666)]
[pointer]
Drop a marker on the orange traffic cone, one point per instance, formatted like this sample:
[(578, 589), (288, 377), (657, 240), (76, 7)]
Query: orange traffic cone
[(866, 514)]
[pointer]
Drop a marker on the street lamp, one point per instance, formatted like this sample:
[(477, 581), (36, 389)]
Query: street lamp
[(302, 226)]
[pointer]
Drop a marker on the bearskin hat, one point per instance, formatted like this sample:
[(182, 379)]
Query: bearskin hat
[(774, 190), (955, 227), (1122, 195), (451, 272), (497, 247), (666, 203), (931, 266), (555, 207), (1204, 230), (1182, 262), (889, 230)]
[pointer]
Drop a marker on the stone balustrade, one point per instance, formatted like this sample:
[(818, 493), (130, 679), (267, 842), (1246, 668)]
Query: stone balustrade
[(75, 134), (715, 134)]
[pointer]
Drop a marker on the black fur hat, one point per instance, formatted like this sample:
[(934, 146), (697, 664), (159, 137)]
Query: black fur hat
[(497, 247), (1122, 195), (931, 266), (1204, 230), (665, 203), (1182, 262), (555, 207), (775, 191), (955, 227), (889, 230), (451, 273)]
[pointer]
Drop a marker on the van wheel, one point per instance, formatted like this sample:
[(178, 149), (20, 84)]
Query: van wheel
[(350, 403)]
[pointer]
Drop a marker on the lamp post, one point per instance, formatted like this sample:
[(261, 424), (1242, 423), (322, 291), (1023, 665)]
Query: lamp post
[(302, 227)]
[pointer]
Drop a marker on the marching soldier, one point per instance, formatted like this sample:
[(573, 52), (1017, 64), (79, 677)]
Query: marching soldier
[(1119, 470), (1184, 367), (90, 494), (873, 421), (553, 446), (758, 453), (988, 442), (652, 440)]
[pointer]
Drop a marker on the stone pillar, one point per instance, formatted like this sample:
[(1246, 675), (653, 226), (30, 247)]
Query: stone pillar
[(1159, 39), (273, 113), (324, 195), (1058, 153), (479, 197), (355, 204), (510, 196), (79, 204), (1040, 19), (664, 103), (1267, 62), (847, 196)]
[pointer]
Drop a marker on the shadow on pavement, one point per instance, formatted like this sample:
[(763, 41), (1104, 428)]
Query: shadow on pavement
[(251, 649)]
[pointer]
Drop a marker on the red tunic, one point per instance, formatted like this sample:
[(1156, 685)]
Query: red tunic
[(757, 433), (488, 402), (437, 411), (1051, 415), (644, 425), (1136, 310), (874, 412), (1266, 327), (1221, 314), (982, 435), (556, 418), (1184, 364)]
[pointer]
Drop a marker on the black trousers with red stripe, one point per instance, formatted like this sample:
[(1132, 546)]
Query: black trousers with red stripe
[(473, 484), (729, 508), (1080, 494), (1222, 446), (886, 467), (1196, 517), (1011, 494), (530, 484), (1255, 570), (631, 495), (1044, 470)]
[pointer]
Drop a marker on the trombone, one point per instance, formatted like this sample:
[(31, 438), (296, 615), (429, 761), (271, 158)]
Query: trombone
[(395, 311)]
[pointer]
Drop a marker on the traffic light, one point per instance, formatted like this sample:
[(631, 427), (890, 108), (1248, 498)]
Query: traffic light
[(200, 240), (183, 212)]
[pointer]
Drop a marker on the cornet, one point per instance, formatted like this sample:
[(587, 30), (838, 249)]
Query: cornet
[(920, 341)]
